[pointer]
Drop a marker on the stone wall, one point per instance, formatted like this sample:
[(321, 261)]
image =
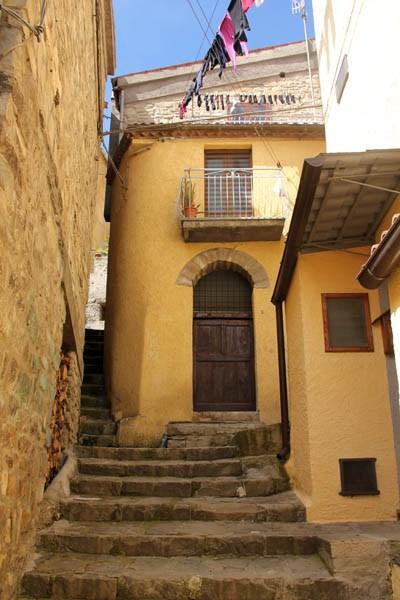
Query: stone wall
[(95, 308), (276, 100), (51, 97), (271, 85)]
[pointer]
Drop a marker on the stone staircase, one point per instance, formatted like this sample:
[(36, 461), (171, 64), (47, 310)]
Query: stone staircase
[(209, 517)]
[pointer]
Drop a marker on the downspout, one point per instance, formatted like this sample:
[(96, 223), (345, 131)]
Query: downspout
[(285, 425)]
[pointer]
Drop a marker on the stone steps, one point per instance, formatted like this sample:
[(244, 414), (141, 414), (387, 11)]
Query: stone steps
[(95, 413), (105, 577), (93, 367), (173, 538), (94, 401), (92, 389), (283, 507), (93, 354), (97, 426), (185, 469), (251, 437), (229, 487), (226, 417), (158, 453), (98, 440), (93, 378)]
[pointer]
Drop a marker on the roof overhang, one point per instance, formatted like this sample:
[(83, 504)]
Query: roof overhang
[(233, 130), (341, 201)]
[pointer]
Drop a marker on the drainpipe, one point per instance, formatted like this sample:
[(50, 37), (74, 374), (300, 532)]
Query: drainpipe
[(284, 453)]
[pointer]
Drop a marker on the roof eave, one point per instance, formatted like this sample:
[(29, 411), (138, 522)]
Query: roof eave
[(308, 183), (383, 260)]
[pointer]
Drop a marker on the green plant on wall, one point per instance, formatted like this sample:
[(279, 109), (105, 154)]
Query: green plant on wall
[(188, 193)]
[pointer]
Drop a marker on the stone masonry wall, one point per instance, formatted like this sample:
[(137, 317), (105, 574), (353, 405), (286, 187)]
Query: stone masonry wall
[(51, 95), (276, 100), (95, 308)]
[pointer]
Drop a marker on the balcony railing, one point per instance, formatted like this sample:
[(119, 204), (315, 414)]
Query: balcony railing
[(230, 194)]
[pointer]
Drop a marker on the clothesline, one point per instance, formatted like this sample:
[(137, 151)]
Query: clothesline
[(229, 42)]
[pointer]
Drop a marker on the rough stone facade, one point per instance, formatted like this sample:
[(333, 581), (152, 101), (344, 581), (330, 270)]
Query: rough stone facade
[(95, 308), (271, 85), (51, 98)]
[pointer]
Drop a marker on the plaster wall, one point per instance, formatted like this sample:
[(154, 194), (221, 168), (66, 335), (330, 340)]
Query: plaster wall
[(101, 229), (149, 316), (367, 31), (339, 402)]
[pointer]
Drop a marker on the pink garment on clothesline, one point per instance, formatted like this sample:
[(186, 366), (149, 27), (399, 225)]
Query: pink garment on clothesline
[(227, 32), (247, 4), (245, 48)]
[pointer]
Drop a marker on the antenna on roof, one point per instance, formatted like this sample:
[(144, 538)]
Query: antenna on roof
[(299, 8)]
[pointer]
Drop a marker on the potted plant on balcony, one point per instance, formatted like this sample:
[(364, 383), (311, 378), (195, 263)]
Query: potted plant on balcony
[(189, 206)]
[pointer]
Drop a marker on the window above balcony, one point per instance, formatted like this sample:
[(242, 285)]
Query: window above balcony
[(229, 200)]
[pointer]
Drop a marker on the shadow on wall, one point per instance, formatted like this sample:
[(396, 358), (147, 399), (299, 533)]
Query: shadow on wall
[(328, 38), (120, 308)]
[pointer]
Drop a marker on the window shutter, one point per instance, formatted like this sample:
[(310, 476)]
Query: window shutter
[(229, 183)]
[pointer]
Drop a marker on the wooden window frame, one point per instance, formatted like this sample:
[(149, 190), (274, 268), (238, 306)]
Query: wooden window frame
[(387, 332), (367, 320)]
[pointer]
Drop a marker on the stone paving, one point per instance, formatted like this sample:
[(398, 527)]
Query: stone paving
[(199, 520)]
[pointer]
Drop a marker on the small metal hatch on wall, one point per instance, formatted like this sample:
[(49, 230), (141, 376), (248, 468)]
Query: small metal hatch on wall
[(358, 477)]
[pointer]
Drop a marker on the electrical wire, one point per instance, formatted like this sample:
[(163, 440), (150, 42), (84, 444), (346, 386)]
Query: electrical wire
[(36, 30), (267, 144), (202, 41)]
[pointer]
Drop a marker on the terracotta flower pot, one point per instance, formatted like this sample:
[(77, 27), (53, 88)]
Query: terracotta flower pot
[(190, 212)]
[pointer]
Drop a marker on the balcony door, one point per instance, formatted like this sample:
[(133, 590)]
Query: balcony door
[(229, 183), (223, 346)]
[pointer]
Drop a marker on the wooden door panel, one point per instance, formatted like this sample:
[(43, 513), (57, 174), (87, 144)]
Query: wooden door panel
[(245, 383), (223, 365), (208, 339), (210, 383), (237, 339)]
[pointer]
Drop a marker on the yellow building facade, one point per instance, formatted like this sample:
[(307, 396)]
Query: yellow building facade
[(152, 313), (161, 351)]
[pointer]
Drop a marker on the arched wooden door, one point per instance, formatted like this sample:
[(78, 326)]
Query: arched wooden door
[(223, 343)]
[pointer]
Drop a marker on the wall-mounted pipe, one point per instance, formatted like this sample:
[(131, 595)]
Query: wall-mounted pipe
[(285, 425)]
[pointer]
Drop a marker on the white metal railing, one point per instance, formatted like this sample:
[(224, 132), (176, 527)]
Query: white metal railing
[(258, 193)]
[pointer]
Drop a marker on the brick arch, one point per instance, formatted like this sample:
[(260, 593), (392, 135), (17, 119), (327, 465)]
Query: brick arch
[(223, 258)]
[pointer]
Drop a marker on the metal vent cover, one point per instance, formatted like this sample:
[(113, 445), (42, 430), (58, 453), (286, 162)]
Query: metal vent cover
[(358, 477)]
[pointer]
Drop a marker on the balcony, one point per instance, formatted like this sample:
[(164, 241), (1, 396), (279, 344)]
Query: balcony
[(232, 205)]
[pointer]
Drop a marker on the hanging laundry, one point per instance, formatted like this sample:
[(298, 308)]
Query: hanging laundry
[(227, 33), (230, 41), (249, 3), (239, 19)]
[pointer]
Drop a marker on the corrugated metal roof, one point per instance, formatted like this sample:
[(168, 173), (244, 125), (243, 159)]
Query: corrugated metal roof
[(354, 192)]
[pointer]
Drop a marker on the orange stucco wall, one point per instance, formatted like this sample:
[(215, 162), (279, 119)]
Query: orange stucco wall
[(339, 402), (149, 316)]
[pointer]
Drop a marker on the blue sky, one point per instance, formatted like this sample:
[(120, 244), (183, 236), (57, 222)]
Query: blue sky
[(156, 33)]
